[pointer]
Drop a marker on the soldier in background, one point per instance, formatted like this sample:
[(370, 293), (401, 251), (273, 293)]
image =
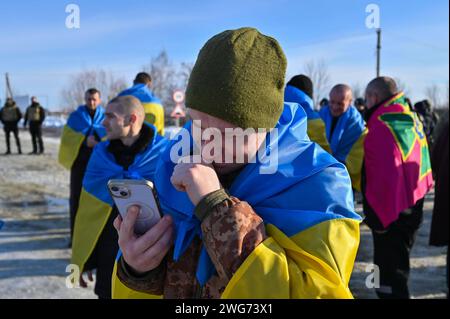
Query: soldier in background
[(360, 105), (10, 116), (35, 115), (428, 117)]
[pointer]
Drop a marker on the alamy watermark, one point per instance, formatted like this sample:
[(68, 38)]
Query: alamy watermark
[(373, 17), (73, 17), (373, 279), (73, 279)]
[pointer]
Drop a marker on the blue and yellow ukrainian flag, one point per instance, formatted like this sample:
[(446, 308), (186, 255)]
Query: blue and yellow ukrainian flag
[(316, 127), (347, 142), (95, 201), (307, 207), (154, 111), (79, 126)]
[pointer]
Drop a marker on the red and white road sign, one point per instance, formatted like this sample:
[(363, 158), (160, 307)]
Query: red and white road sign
[(178, 96), (178, 112)]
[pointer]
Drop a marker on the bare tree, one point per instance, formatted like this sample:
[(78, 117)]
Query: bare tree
[(318, 73), (164, 77), (432, 93), (105, 82), (185, 73)]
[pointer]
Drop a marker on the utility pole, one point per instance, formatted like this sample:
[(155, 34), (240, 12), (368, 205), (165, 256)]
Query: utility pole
[(378, 51)]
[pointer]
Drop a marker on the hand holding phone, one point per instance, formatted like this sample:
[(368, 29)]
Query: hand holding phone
[(143, 253), (127, 192)]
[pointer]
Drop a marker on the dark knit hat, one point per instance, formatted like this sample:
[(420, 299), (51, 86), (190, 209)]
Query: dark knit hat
[(239, 78), (304, 83)]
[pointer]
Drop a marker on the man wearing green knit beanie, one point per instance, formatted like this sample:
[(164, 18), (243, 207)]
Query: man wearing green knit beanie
[(239, 78), (233, 232)]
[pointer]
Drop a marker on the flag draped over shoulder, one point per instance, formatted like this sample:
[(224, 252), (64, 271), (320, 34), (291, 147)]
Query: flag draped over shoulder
[(79, 126), (347, 140), (95, 201), (154, 111), (316, 126), (307, 206), (397, 160)]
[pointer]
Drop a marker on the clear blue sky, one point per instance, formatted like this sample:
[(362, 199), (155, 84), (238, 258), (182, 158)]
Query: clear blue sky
[(40, 53)]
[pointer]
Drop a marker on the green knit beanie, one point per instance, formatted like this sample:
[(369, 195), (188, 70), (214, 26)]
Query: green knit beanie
[(239, 78)]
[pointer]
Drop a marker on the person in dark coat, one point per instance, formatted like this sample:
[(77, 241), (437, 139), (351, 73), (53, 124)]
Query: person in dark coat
[(10, 116), (35, 116), (360, 105), (439, 162), (428, 117)]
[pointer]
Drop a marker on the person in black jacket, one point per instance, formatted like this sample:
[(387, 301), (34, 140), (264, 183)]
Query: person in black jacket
[(428, 118), (35, 115), (128, 137), (439, 161), (10, 116)]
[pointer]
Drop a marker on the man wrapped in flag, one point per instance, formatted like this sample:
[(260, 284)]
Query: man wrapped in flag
[(396, 177), (82, 132), (300, 90), (154, 111), (282, 226), (345, 131), (131, 152), (320, 127)]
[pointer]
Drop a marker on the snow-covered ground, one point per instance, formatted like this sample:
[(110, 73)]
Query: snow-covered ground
[(33, 242), (34, 194)]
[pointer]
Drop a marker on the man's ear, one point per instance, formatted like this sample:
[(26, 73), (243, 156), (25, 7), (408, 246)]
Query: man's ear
[(377, 98), (133, 118)]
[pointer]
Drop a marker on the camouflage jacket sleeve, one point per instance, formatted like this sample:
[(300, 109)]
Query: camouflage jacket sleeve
[(151, 282), (231, 231)]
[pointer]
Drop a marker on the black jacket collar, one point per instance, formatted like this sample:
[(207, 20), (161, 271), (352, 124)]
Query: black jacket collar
[(124, 154), (369, 112)]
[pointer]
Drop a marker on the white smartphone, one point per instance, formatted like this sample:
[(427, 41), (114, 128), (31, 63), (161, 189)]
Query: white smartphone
[(129, 192)]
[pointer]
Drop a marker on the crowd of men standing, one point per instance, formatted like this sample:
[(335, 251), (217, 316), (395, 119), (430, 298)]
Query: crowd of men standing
[(381, 132), (227, 230)]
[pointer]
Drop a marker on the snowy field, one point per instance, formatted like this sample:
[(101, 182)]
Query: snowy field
[(34, 193)]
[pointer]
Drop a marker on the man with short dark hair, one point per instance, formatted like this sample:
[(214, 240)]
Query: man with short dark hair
[(82, 132), (396, 177), (10, 116), (300, 90), (35, 116), (143, 78), (154, 111)]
